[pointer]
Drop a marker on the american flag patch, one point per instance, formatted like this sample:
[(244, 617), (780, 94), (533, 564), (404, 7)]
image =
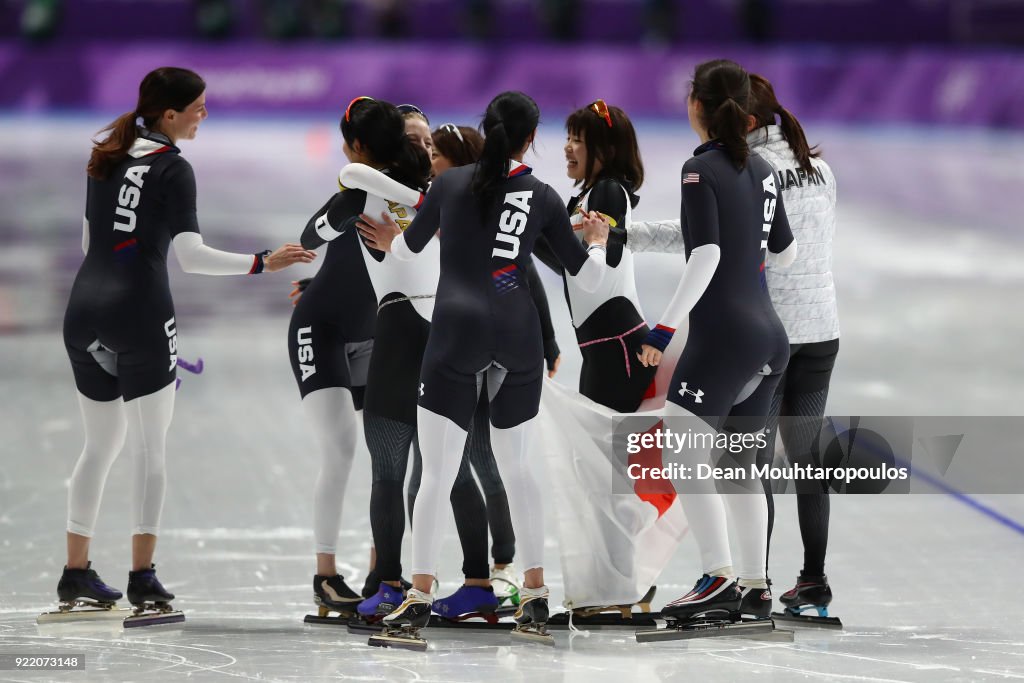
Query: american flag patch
[(505, 279), (691, 178)]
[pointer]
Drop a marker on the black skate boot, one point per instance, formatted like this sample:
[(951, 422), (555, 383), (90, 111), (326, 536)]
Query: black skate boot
[(332, 594), (756, 603), (810, 592), (86, 585), (151, 602), (712, 609), (83, 588), (713, 598), (402, 627), (532, 616)]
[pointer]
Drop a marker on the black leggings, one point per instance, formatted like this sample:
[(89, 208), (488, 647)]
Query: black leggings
[(802, 393)]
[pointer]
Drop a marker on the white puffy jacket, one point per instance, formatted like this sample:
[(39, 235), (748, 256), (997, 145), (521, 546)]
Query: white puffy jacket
[(803, 293)]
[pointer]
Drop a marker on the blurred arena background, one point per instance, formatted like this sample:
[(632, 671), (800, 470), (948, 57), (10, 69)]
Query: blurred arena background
[(918, 105)]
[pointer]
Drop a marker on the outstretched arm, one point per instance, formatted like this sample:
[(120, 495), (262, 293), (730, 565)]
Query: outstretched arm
[(663, 237), (372, 181), (196, 257)]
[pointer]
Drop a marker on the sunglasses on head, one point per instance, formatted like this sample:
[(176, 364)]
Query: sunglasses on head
[(412, 109), (452, 128), (348, 109), (601, 109)]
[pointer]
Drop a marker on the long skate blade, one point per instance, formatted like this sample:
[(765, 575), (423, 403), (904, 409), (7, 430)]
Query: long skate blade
[(154, 618), (533, 636), (361, 625), (338, 620), (399, 641), (471, 624), (601, 622), (743, 629), (808, 620), (776, 635), (91, 614)]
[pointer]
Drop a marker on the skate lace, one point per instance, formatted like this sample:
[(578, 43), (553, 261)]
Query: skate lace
[(572, 627)]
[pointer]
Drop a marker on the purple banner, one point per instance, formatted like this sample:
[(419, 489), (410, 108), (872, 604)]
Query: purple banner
[(606, 21), (858, 86)]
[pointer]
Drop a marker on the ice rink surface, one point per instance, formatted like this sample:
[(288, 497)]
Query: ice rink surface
[(929, 267)]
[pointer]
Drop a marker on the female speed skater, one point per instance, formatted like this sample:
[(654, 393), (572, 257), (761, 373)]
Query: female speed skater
[(119, 328), (456, 146), (475, 597), (736, 349), (485, 333), (603, 158), (374, 134), (805, 298)]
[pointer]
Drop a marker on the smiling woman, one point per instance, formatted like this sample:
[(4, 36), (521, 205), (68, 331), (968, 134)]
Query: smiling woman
[(119, 327)]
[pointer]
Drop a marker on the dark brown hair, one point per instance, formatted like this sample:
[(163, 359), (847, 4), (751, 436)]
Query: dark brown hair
[(460, 152), (614, 146), (723, 89), (765, 107), (510, 119), (380, 129), (165, 88)]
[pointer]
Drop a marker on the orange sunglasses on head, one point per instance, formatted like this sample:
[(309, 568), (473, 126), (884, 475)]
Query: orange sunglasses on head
[(601, 109), (348, 109)]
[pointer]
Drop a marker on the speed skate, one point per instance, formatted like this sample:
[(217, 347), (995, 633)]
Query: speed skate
[(810, 593), (674, 629), (84, 588), (152, 614), (68, 612)]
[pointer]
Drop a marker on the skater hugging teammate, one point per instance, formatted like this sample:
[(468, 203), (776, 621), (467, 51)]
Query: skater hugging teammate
[(450, 350), (603, 159), (331, 340), (485, 333), (119, 328)]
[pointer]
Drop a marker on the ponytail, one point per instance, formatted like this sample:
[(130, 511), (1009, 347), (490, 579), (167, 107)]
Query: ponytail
[(794, 134), (493, 166), (765, 107), (510, 120), (729, 123), (109, 153), (723, 89), (165, 88)]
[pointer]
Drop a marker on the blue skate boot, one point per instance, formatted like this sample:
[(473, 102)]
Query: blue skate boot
[(469, 602), (385, 601)]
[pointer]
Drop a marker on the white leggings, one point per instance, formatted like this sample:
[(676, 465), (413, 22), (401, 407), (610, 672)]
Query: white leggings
[(442, 442), (332, 414), (145, 421), (705, 513)]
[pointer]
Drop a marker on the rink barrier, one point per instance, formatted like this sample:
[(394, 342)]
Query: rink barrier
[(857, 85)]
